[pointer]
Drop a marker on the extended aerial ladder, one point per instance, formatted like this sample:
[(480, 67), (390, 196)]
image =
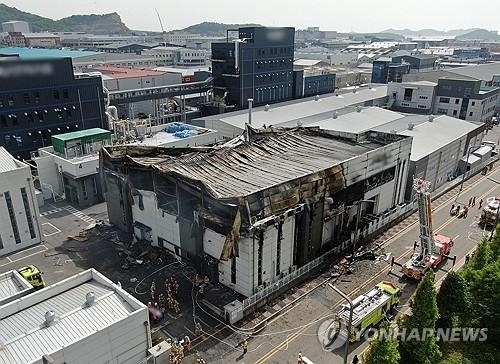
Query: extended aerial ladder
[(433, 248)]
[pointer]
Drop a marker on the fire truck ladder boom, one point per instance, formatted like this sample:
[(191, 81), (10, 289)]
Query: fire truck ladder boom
[(425, 215)]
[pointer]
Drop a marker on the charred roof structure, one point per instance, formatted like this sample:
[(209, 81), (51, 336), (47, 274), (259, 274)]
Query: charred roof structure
[(249, 211)]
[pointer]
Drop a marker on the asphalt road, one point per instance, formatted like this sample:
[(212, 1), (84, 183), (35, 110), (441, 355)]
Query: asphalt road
[(296, 331)]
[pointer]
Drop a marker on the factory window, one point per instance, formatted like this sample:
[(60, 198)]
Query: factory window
[(3, 121), (233, 270), (455, 112), (445, 100), (473, 103), (65, 93), (12, 215), (27, 210), (457, 101), (36, 96), (442, 111), (422, 107), (10, 101), (470, 114), (26, 98), (56, 94), (423, 97), (84, 190), (408, 94)]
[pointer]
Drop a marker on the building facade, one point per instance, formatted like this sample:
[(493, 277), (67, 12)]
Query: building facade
[(257, 65), (16, 26), (70, 167), (41, 98), (414, 97), (179, 56), (250, 222), (465, 99), (19, 214)]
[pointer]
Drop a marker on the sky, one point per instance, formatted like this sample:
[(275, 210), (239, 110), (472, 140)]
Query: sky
[(339, 15)]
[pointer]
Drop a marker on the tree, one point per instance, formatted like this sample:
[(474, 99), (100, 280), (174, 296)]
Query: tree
[(482, 256), (495, 245), (420, 346), (453, 300), (383, 350)]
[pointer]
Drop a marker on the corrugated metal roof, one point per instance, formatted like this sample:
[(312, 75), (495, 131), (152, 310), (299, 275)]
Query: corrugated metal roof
[(483, 72), (8, 162), (25, 337), (266, 162), (11, 284)]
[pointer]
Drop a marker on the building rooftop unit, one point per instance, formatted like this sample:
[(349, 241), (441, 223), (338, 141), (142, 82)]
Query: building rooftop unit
[(8, 162), (61, 142), (305, 110), (273, 157), (51, 320), (12, 286)]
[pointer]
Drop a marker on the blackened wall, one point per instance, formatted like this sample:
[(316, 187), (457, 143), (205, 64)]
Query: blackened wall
[(41, 98)]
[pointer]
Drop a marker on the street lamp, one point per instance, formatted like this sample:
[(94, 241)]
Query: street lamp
[(358, 217), (349, 324)]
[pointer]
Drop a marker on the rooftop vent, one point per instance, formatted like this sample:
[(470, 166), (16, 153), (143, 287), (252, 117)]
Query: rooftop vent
[(49, 317), (431, 118), (316, 98), (358, 108), (266, 108), (410, 126), (394, 131), (335, 115), (89, 298), (299, 123)]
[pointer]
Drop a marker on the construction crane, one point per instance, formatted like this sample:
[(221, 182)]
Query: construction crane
[(162, 29), (433, 248)]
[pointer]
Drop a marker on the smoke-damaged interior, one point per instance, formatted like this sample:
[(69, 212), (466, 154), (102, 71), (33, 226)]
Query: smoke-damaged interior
[(251, 211)]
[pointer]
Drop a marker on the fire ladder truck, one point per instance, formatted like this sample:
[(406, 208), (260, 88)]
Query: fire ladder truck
[(433, 248)]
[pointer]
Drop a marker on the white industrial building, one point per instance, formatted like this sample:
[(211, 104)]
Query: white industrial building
[(250, 213), (413, 97), (295, 112), (83, 319), (13, 286), (19, 215), (333, 58), (16, 26), (438, 143), (178, 56)]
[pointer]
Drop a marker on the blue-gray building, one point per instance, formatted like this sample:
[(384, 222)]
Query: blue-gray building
[(385, 70), (41, 98), (258, 65)]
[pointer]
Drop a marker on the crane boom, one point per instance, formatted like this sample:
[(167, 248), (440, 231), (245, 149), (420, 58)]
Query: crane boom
[(159, 18), (425, 215)]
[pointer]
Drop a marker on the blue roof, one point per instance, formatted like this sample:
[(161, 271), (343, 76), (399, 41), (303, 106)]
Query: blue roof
[(32, 53)]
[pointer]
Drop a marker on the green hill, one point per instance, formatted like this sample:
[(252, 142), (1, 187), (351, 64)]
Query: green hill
[(96, 24)]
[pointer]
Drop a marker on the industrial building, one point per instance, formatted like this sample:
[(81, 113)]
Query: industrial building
[(438, 143), (248, 213), (295, 112), (413, 97), (41, 98), (83, 319), (258, 64), (70, 167), (14, 26), (178, 56), (19, 215), (13, 286)]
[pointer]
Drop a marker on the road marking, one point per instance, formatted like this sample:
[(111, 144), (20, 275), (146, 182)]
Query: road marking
[(26, 256), (456, 237), (57, 231), (294, 336)]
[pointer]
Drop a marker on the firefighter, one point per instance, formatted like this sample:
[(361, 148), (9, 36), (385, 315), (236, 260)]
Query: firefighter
[(467, 258), (355, 360), (198, 329), (480, 203), (244, 346), (299, 358)]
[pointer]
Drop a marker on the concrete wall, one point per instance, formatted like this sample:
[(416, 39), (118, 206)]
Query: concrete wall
[(12, 182), (421, 100)]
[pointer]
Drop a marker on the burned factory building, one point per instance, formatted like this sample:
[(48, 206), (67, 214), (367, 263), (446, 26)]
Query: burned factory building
[(250, 212)]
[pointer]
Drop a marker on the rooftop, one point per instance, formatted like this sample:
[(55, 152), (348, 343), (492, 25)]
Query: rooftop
[(8, 162), (185, 71), (429, 136), (32, 53), (81, 133), (40, 35), (483, 72), (12, 285), (22, 322), (421, 83), (304, 110), (126, 72), (272, 158)]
